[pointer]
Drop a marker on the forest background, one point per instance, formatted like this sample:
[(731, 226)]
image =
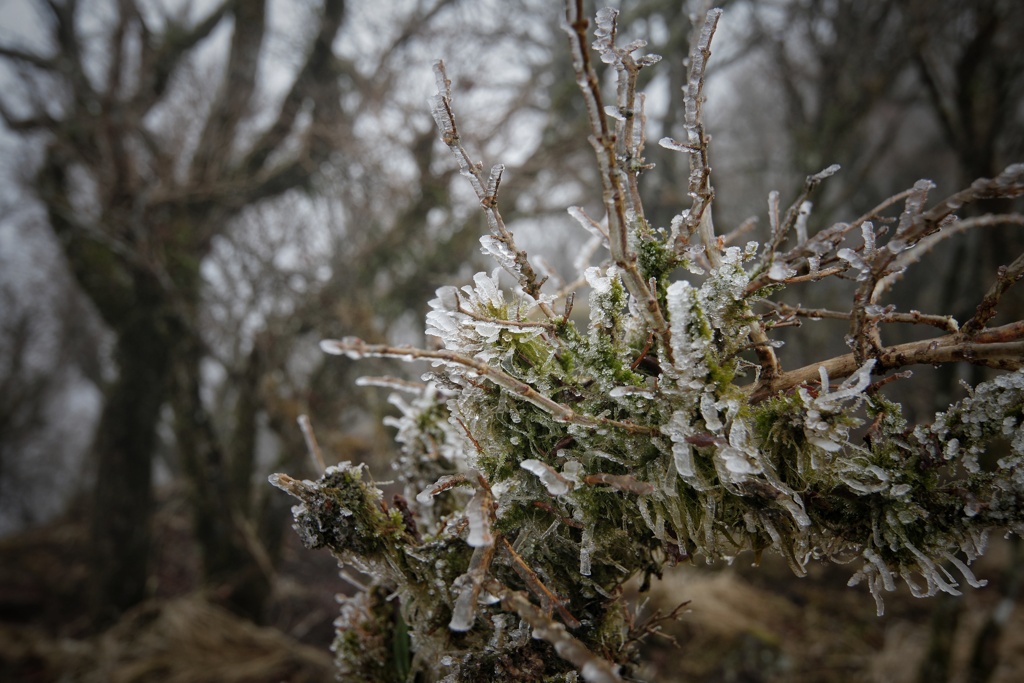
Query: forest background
[(194, 194)]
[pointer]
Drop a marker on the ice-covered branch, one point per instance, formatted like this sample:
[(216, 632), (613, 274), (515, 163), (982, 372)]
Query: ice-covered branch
[(356, 349), (486, 189), (887, 315), (544, 463), (699, 218), (999, 347), (594, 669), (613, 193)]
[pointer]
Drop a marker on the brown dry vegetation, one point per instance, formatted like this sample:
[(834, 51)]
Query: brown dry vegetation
[(747, 623), (182, 634)]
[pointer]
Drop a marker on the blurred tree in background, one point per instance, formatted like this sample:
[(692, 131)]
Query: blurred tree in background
[(221, 182)]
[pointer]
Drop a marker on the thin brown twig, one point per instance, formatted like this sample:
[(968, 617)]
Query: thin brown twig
[(986, 310), (742, 229), (569, 648), (537, 587), (613, 194), (486, 189), (943, 322), (357, 348), (312, 445)]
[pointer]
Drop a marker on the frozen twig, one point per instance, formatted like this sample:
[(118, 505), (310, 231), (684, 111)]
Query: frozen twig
[(614, 195), (311, 443), (486, 189), (1000, 347), (470, 583), (822, 243), (781, 226), (537, 587), (593, 668), (356, 348), (943, 322), (698, 219), (1005, 279)]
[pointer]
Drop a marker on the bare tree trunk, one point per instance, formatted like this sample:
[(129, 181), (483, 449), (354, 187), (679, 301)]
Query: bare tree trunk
[(123, 449), (229, 565)]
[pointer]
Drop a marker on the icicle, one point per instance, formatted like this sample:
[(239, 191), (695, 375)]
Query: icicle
[(635, 392), (493, 182), (604, 32), (336, 348), (801, 221), (426, 496), (478, 512), (676, 146), (867, 232), (621, 482), (464, 610), (586, 549), (555, 483), (855, 260), (780, 272), (601, 284), (614, 113), (500, 252), (852, 387), (973, 581), (883, 571), (682, 454), (913, 206), (588, 223), (796, 510), (709, 411)]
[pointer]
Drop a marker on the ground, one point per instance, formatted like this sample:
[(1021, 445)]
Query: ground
[(742, 623)]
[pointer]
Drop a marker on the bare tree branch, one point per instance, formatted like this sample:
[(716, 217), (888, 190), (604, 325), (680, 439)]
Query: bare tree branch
[(158, 61), (233, 97), (30, 58), (1006, 278)]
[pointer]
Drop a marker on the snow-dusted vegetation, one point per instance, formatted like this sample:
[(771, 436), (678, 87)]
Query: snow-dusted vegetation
[(547, 460)]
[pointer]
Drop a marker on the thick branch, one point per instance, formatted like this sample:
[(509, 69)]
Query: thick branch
[(159, 62), (999, 347), (317, 69), (232, 102)]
